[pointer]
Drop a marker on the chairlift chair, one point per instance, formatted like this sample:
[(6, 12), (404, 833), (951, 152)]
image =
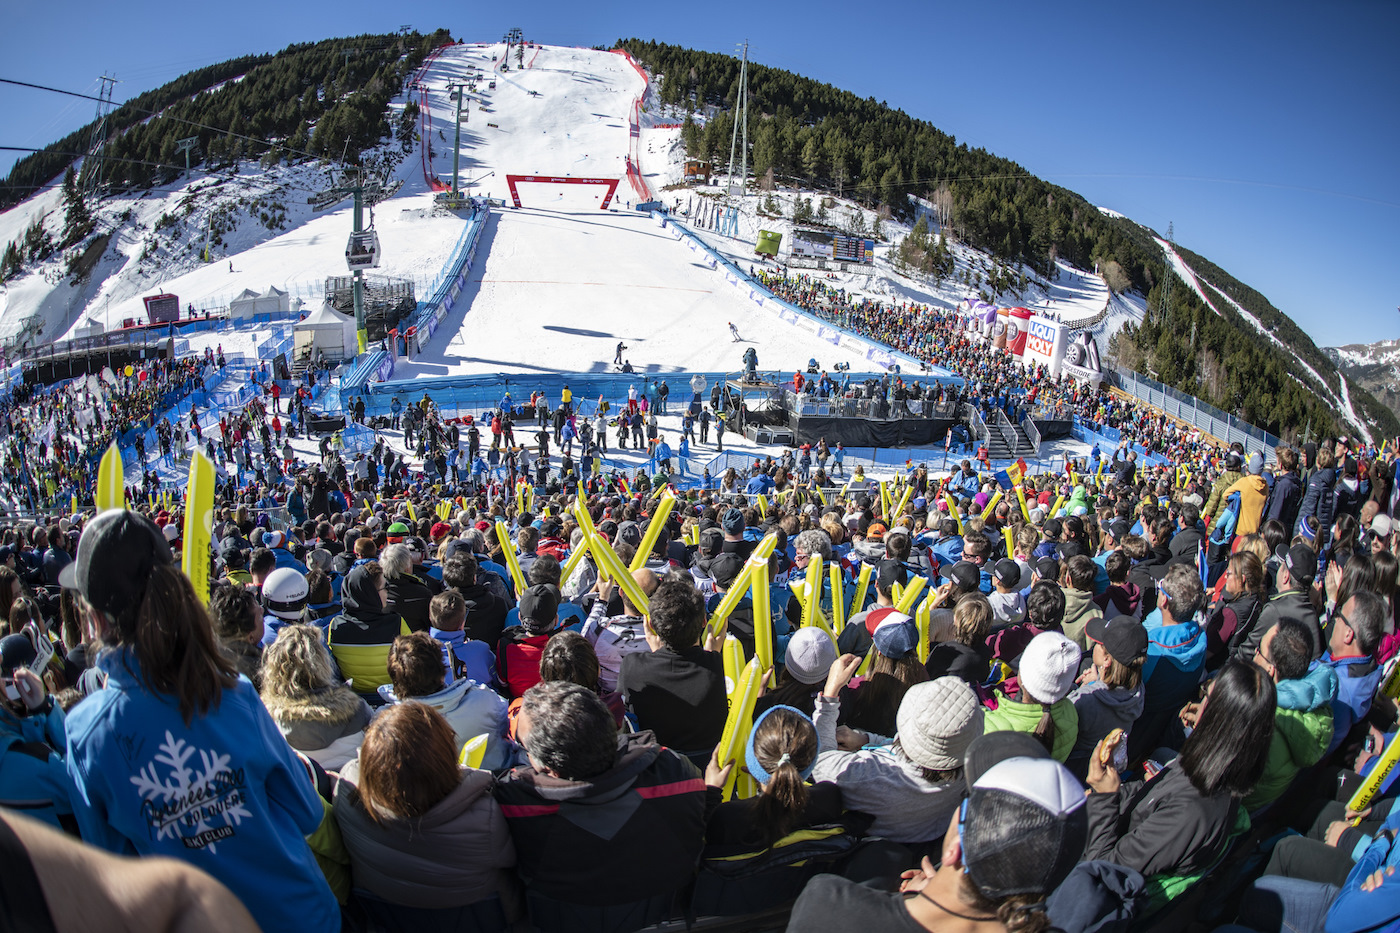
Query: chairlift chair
[(362, 251)]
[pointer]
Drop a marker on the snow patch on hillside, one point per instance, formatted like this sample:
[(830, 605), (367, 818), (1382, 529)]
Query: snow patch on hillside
[(1342, 402)]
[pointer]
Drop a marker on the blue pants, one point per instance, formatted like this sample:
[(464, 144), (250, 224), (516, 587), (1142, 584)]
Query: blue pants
[(1275, 904)]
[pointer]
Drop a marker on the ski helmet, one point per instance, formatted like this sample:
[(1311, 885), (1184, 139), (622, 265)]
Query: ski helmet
[(284, 593)]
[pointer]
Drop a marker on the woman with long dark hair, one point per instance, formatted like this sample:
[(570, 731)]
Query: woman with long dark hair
[(781, 753), (1177, 822), (177, 755)]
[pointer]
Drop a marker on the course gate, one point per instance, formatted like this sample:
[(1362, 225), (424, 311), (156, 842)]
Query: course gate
[(611, 183)]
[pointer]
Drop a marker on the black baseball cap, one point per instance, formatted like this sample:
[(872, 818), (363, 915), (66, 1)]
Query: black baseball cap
[(964, 574), (116, 554), (1123, 637), (16, 651), (725, 569), (890, 572), (992, 748), (539, 605), (1300, 560), (1007, 572), (1048, 568)]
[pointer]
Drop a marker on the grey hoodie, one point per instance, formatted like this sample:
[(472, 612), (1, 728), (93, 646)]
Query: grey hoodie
[(884, 784), (1101, 709)]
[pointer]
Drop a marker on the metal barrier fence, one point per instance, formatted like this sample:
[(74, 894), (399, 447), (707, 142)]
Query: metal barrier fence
[(1208, 418), (865, 407), (980, 434)]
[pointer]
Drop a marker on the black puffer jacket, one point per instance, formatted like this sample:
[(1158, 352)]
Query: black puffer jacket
[(1160, 827), (1318, 502)]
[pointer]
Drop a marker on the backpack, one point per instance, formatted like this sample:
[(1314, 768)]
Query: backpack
[(1224, 534)]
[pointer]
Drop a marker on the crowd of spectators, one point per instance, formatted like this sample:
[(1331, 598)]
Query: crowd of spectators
[(1095, 707)]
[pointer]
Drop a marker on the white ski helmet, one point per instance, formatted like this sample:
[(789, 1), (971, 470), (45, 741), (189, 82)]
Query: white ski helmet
[(284, 593)]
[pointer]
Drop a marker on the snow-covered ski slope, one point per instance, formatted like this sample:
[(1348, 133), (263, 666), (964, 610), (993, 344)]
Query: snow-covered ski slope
[(1340, 402), (558, 282)]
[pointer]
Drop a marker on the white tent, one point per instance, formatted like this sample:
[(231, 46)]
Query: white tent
[(327, 330), (249, 304)]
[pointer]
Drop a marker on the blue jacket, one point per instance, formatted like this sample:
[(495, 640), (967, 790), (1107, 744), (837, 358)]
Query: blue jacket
[(476, 656), (762, 483), (948, 551), (33, 780), (286, 558), (1183, 645), (226, 794), (1357, 679), (1355, 910)]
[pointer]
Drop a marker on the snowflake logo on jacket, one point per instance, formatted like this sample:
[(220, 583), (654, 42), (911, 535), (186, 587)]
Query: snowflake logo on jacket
[(198, 807)]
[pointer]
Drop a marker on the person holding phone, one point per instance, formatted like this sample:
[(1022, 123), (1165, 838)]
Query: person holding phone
[(33, 779)]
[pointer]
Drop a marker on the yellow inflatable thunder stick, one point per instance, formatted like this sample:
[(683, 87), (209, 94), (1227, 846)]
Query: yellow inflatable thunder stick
[(199, 524), (991, 504), (838, 597), (862, 584), (111, 489), (736, 727), (512, 562), (953, 509), (658, 521)]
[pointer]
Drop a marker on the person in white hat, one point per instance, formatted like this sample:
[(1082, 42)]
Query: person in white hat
[(912, 784), (1049, 666)]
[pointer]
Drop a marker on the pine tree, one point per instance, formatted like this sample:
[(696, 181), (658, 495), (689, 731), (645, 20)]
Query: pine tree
[(11, 263), (78, 222)]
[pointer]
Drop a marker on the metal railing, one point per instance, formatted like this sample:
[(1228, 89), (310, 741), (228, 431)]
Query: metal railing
[(1032, 432), (980, 434), (1208, 418), (1004, 429), (841, 407)]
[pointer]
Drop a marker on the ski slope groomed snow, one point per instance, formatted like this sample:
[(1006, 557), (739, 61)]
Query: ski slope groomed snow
[(557, 290), (559, 281)]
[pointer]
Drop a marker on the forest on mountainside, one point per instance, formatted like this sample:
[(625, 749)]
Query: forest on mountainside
[(310, 100), (804, 132)]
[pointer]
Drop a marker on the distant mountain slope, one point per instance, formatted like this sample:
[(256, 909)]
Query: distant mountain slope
[(1374, 367), (1248, 358)]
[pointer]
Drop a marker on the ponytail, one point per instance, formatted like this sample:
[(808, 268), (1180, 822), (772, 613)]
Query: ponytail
[(782, 803), (1044, 730), (173, 640), (782, 748), (1024, 913)]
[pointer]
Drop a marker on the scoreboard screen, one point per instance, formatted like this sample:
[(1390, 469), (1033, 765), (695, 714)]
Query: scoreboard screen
[(837, 247), (162, 309)]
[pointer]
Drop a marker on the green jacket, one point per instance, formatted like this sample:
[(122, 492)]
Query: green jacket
[(1013, 716), (1302, 732), (1214, 503)]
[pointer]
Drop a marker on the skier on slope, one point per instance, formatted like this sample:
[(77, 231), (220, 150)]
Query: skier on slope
[(617, 357), (734, 332)]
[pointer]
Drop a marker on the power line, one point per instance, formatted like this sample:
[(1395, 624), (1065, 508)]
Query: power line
[(169, 116)]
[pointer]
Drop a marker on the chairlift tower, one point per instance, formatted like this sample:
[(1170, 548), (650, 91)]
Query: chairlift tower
[(362, 250), (92, 165), (741, 111), (186, 145), (457, 92)]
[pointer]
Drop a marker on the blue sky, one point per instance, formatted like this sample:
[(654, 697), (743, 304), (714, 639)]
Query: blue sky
[(1266, 132)]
